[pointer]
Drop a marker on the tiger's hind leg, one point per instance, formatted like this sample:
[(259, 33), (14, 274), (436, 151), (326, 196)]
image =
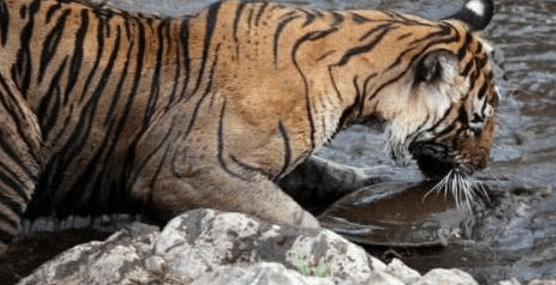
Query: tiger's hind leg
[(20, 165)]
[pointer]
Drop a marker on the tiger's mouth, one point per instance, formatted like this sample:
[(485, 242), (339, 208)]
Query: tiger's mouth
[(436, 165), (450, 176)]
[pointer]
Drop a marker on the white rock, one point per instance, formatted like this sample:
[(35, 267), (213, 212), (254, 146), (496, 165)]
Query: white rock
[(403, 272), (446, 277)]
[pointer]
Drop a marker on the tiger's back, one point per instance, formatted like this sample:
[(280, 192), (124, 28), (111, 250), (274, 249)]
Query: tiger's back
[(111, 111)]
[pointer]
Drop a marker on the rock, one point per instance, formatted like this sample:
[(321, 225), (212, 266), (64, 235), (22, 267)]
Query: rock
[(205, 245), (211, 247), (446, 276), (398, 269), (117, 260), (201, 241), (261, 273)]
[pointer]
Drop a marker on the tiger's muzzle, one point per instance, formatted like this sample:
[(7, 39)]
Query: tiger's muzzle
[(435, 161)]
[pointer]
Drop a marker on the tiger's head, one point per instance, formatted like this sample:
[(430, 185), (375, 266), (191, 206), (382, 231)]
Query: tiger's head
[(439, 99)]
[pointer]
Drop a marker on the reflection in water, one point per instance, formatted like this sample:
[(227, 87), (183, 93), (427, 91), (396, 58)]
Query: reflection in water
[(396, 214)]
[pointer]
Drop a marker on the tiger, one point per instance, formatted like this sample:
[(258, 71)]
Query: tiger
[(103, 110)]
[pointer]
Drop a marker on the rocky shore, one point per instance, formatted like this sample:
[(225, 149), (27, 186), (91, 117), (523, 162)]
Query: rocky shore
[(210, 247)]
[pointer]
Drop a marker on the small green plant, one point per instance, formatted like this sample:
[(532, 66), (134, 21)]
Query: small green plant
[(322, 270)]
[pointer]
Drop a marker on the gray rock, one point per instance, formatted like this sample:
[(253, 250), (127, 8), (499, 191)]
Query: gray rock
[(205, 240), (210, 247), (262, 273)]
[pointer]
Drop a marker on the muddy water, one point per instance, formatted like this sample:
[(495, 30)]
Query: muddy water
[(513, 234)]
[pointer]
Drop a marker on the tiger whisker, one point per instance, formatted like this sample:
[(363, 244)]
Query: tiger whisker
[(439, 186), (463, 188)]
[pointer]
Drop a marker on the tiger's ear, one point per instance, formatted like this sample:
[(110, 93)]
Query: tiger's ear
[(475, 13), (433, 66)]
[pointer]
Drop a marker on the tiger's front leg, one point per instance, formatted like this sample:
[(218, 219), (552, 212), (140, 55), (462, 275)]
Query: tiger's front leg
[(175, 191), (176, 170)]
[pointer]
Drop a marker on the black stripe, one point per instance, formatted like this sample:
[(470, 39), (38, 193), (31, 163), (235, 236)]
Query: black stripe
[(308, 37), (417, 130), (445, 131), (325, 55), (338, 95), (220, 154), (363, 98), (153, 151), (212, 15), (78, 139), (184, 39), (410, 22), (465, 45), (23, 67), (482, 91), (4, 22), (462, 116), (99, 52), (445, 30), (467, 68), (483, 110), (117, 94), (52, 10), (481, 62), (177, 66), (15, 112), (204, 95), (365, 48), (150, 197), (260, 13), (473, 79), (11, 180), (155, 87), (338, 18), (429, 43), (409, 65), (309, 18), (406, 35), (247, 167), (279, 28), (374, 30), (10, 203), (287, 149), (239, 10), (77, 59), (358, 19), (108, 146), (250, 18), (23, 11), (128, 161), (53, 93)]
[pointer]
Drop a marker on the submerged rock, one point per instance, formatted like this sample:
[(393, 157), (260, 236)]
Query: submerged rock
[(211, 247)]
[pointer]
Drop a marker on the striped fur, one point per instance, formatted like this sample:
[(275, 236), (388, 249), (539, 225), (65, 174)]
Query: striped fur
[(103, 110)]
